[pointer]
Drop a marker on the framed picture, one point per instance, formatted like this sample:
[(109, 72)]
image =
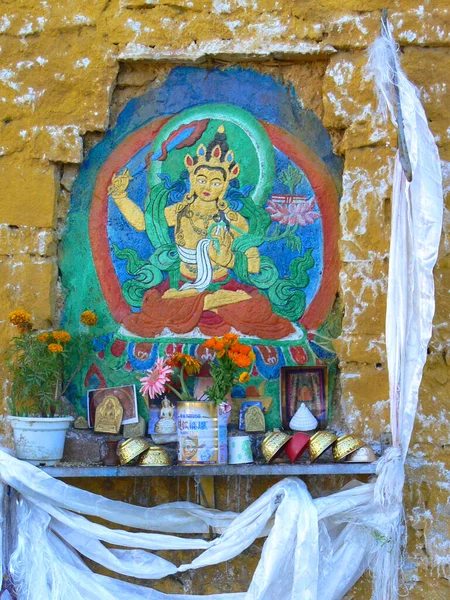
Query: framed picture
[(303, 384), (125, 394)]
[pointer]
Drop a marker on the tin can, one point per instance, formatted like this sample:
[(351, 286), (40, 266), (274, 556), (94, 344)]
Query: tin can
[(202, 435)]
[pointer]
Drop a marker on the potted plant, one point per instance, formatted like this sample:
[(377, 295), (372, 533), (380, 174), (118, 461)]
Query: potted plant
[(38, 365)]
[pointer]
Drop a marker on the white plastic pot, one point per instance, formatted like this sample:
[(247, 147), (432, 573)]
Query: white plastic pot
[(39, 440)]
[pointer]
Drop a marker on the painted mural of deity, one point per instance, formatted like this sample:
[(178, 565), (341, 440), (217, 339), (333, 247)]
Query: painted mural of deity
[(215, 229), (216, 254), (205, 213)]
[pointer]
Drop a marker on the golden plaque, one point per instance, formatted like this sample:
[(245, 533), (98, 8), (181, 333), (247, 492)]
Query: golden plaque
[(108, 416), (254, 420)]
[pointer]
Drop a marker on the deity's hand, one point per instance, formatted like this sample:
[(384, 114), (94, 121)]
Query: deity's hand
[(119, 184), (221, 253)]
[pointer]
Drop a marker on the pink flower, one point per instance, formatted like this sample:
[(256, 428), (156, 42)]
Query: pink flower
[(153, 383), (293, 213)]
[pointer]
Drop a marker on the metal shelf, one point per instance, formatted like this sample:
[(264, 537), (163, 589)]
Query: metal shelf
[(272, 470)]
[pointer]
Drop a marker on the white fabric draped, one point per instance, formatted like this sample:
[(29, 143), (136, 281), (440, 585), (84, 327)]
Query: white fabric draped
[(315, 549)]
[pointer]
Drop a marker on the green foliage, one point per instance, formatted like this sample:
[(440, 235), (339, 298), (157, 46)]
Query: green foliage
[(36, 376), (224, 375), (40, 377)]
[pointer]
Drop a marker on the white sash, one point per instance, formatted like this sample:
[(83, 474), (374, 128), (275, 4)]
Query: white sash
[(200, 258)]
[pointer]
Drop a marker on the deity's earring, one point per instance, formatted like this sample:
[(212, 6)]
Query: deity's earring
[(222, 204)]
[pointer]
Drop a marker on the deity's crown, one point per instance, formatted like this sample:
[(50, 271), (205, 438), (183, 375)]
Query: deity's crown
[(215, 160)]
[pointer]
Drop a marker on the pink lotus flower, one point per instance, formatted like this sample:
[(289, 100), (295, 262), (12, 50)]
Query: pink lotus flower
[(293, 213), (153, 383)]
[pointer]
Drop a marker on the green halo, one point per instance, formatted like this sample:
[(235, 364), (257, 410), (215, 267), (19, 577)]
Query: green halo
[(246, 137)]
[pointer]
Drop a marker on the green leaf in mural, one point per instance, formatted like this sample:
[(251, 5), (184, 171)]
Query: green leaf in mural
[(291, 177), (286, 295), (134, 263)]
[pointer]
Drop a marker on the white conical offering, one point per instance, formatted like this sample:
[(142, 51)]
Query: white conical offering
[(303, 420)]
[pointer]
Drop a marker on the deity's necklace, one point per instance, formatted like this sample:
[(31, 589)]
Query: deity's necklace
[(206, 220)]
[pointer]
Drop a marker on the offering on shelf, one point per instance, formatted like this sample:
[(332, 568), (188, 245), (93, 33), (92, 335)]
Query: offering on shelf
[(254, 420), (296, 446), (108, 416), (155, 456), (274, 443), (130, 449), (239, 450), (345, 445), (320, 442), (365, 454), (303, 420)]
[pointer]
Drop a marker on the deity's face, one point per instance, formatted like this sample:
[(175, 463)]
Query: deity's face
[(208, 184)]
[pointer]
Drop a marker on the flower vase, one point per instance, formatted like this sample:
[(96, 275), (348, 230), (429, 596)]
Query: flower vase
[(202, 434)]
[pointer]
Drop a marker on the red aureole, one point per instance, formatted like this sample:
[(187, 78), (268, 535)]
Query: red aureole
[(316, 172), (98, 217)]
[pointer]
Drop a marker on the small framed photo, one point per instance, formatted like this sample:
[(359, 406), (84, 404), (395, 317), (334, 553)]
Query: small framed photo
[(125, 394), (303, 384)]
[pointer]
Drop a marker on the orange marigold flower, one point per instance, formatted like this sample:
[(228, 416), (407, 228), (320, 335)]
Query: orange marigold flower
[(191, 364), (62, 336), (19, 317), (219, 345), (242, 348), (89, 318), (244, 377), (239, 359), (43, 337), (252, 355), (229, 339), (210, 343), (27, 327), (55, 348)]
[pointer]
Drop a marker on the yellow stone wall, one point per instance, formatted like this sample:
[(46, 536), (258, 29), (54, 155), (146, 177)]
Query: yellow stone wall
[(66, 70)]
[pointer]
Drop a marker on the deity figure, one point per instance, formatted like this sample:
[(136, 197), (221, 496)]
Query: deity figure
[(206, 230), (108, 416), (166, 423)]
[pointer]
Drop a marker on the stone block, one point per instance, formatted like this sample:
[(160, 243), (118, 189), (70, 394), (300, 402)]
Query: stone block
[(418, 26), (350, 102), (59, 81), (428, 69), (354, 30), (26, 240), (29, 284), (365, 206), (134, 429), (57, 144), (364, 287), (30, 189), (365, 399), (361, 348)]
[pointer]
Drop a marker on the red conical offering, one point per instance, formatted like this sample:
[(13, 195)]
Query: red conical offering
[(296, 446)]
